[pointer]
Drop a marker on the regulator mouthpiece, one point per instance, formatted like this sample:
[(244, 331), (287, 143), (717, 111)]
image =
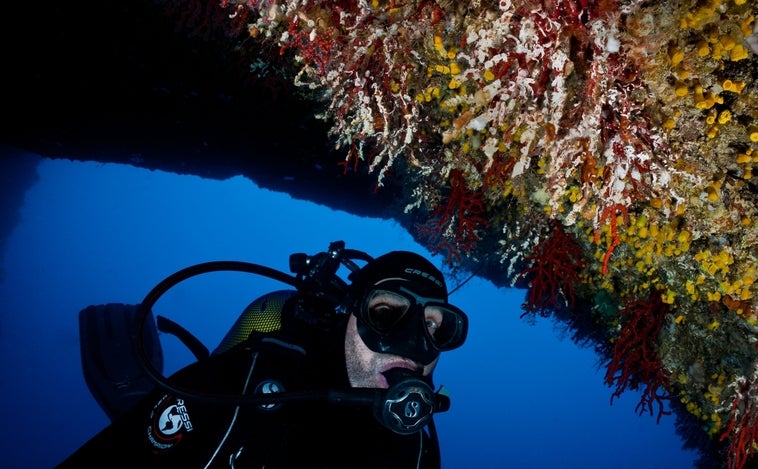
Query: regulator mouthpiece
[(407, 407)]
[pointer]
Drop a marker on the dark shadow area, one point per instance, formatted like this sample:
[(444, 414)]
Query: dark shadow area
[(120, 82), (18, 172)]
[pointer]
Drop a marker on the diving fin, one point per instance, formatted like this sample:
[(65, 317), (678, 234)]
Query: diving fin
[(111, 362)]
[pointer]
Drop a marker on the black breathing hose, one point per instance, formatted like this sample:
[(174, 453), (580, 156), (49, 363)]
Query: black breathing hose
[(145, 307)]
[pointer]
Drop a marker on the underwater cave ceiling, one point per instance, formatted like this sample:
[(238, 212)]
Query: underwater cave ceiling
[(598, 154), (125, 87)]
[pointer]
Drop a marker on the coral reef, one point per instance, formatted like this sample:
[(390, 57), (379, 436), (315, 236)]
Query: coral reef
[(624, 131)]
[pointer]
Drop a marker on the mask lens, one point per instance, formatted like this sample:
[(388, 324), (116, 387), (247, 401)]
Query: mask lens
[(446, 325), (385, 310)]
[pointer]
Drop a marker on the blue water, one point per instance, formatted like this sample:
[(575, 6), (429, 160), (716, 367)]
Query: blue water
[(92, 233)]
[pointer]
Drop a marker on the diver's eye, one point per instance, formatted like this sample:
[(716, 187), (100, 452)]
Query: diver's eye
[(386, 312), (385, 316), (385, 309), (433, 319)]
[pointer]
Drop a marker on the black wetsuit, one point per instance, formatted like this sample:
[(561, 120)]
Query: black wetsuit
[(163, 431)]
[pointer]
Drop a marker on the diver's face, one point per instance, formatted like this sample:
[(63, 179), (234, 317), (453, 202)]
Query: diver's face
[(365, 367)]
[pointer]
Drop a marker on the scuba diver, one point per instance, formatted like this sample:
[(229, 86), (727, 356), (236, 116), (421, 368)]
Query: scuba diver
[(328, 374)]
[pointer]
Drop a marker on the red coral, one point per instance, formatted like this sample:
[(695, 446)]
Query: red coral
[(635, 361), (610, 213), (315, 51), (554, 268), (453, 226), (743, 424)]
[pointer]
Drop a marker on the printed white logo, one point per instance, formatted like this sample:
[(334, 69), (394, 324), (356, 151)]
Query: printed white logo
[(170, 421), (173, 418)]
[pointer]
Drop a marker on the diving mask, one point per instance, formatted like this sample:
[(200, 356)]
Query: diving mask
[(393, 319)]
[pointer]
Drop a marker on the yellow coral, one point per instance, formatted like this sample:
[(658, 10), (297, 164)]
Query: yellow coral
[(703, 49), (676, 56), (733, 86), (681, 89), (739, 52), (725, 116)]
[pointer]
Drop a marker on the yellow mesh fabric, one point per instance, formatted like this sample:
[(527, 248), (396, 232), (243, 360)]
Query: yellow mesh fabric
[(262, 315)]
